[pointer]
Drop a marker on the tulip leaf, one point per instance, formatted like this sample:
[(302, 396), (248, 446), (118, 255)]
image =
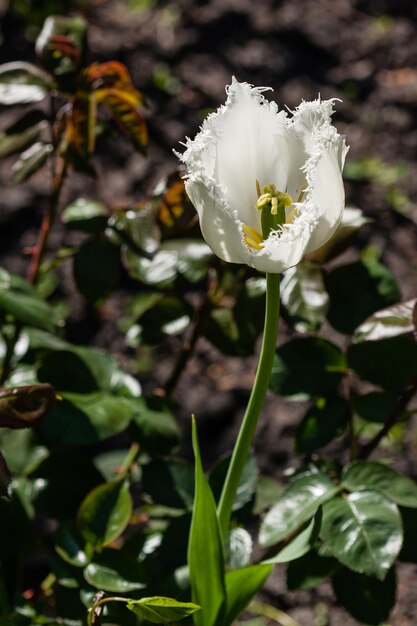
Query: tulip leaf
[(86, 215), (205, 549), (357, 290), (105, 513), (31, 161), (96, 268), (296, 504), (241, 586), (299, 545), (390, 363), (160, 610), (367, 599), (309, 571), (22, 83), (323, 422), (304, 296), (376, 476), (363, 531), (307, 366)]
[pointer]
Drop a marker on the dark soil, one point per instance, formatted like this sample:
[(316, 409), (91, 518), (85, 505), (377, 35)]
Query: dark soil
[(362, 52)]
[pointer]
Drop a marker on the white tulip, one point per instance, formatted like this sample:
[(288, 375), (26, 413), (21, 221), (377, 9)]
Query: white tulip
[(267, 186)]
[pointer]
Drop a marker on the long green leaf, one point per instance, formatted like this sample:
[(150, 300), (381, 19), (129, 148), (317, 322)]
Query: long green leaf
[(205, 549), (241, 585)]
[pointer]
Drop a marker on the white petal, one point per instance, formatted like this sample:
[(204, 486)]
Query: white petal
[(327, 151), (220, 229), (284, 249)]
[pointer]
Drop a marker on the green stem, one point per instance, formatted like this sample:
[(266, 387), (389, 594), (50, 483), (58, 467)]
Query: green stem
[(255, 404), (92, 609)]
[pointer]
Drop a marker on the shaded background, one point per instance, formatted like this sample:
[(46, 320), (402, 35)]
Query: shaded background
[(182, 55)]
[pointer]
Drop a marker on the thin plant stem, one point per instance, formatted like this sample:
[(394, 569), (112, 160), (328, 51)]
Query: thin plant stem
[(271, 612), (402, 404), (92, 609), (255, 404), (129, 460), (187, 347), (47, 222)]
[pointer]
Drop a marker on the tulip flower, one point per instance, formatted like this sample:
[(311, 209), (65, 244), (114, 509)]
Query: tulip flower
[(267, 186)]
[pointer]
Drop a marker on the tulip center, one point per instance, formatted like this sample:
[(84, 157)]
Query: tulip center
[(272, 204)]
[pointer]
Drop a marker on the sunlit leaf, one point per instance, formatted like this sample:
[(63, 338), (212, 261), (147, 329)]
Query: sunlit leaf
[(113, 571), (390, 322), (80, 128), (86, 215), (61, 45), (303, 294), (297, 504), (299, 545), (31, 161), (362, 475), (105, 513), (363, 531), (352, 220), (160, 610), (22, 83), (153, 425), (125, 108)]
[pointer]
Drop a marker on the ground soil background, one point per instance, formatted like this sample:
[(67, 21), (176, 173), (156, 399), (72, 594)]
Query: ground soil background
[(182, 55)]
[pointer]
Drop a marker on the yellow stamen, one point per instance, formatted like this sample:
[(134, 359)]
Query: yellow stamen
[(252, 237)]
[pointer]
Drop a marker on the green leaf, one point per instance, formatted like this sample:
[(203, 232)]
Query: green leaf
[(390, 363), (61, 46), (307, 366), (105, 513), (169, 482), (375, 406), (363, 531), (194, 258), (356, 291), (96, 268), (376, 476), (158, 271), (205, 549), (85, 418), (368, 600), (323, 422), (171, 316), (22, 83), (154, 426), (303, 294), (241, 586), (159, 610), (309, 571), (86, 215), (22, 133), (19, 299), (80, 369), (114, 571), (299, 545), (70, 545), (390, 322), (297, 504), (31, 161)]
